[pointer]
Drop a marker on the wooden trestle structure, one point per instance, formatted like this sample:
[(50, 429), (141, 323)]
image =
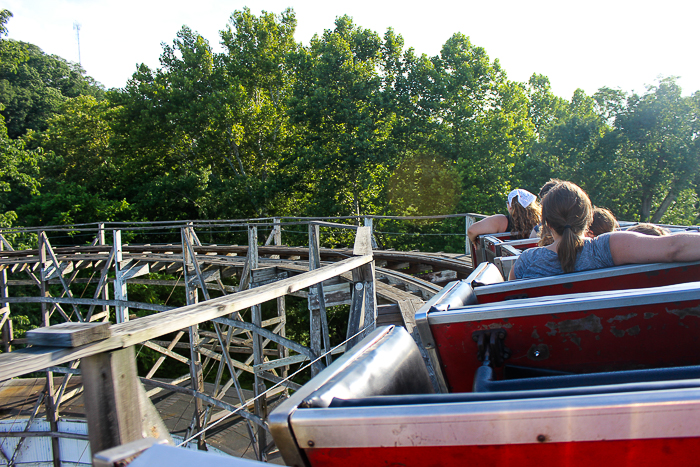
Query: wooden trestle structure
[(380, 287)]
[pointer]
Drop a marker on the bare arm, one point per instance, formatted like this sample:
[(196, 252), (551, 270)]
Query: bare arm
[(492, 224), (631, 247), (511, 274)]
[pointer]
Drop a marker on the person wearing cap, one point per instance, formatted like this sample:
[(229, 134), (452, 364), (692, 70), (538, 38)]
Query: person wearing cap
[(523, 215)]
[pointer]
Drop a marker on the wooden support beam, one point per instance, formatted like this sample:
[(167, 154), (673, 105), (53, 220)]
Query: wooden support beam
[(363, 310), (46, 275), (5, 321), (319, 319), (102, 284), (192, 273), (24, 361), (51, 415), (116, 406), (120, 290), (133, 268), (68, 334), (256, 319)]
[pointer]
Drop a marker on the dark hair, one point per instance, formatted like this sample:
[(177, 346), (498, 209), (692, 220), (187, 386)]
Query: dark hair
[(603, 221), (568, 211), (548, 186), (524, 219), (649, 229)]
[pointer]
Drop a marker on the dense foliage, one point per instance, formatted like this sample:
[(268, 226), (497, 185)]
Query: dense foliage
[(353, 124)]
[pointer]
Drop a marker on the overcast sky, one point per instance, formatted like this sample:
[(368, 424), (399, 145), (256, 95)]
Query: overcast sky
[(619, 44)]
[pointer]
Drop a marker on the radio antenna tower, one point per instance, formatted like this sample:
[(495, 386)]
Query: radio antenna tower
[(76, 28)]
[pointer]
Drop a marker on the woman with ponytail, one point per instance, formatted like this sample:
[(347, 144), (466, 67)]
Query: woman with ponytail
[(568, 213)]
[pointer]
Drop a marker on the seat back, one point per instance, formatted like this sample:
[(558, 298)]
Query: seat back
[(632, 276), (580, 333)]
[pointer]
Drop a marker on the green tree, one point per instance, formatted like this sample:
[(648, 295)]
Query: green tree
[(18, 175), (78, 174), (347, 150), (208, 130), (35, 85), (659, 148), (483, 122)]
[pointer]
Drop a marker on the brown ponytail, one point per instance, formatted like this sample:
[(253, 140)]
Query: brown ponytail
[(568, 211)]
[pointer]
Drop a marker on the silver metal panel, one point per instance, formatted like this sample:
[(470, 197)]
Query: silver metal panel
[(279, 419), (37, 450), (622, 416), (504, 264), (569, 303), (170, 456), (426, 335)]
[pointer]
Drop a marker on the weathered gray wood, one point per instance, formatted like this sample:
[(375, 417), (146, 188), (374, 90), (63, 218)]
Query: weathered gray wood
[(45, 274), (334, 225), (69, 334), (319, 318), (102, 284), (24, 361), (282, 341), (120, 289), (35, 410), (234, 377), (167, 352), (42, 434), (116, 406), (7, 332), (216, 402), (101, 241), (369, 222), (133, 268), (363, 242), (161, 359), (256, 319), (51, 415), (61, 391), (369, 322), (355, 316), (189, 266), (90, 301), (333, 295)]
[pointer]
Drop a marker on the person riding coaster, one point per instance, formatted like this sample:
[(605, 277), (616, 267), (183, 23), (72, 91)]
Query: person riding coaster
[(523, 215), (567, 212)]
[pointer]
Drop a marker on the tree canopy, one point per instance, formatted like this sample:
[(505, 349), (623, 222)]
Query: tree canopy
[(355, 123)]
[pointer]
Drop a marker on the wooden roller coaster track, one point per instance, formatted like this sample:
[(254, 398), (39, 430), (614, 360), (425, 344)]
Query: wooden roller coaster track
[(237, 342)]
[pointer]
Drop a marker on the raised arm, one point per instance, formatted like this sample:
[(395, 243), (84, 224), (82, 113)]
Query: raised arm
[(492, 224), (631, 247)]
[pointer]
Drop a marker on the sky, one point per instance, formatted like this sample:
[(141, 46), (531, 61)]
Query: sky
[(619, 44)]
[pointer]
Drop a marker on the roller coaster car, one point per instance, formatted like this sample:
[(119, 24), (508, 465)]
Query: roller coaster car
[(555, 378), (375, 407), (502, 250), (621, 318)]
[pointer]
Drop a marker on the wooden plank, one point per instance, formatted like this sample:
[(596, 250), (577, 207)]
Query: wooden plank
[(90, 301), (69, 334), (408, 310), (363, 241), (215, 402), (133, 268), (24, 361), (168, 352), (116, 406)]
